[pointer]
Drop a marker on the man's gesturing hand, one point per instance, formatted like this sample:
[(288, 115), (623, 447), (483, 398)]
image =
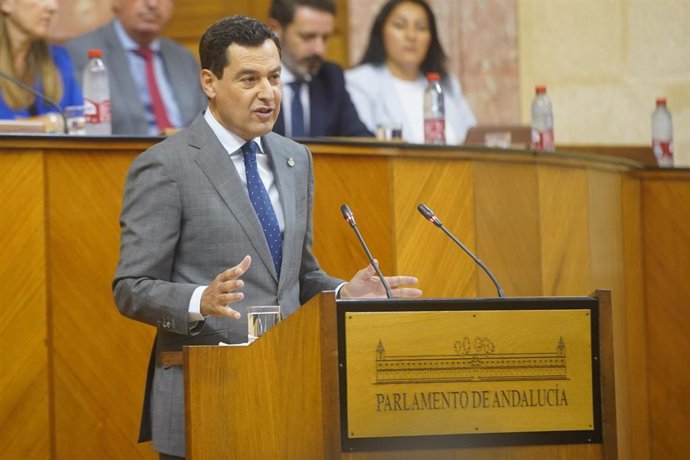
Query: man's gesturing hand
[(365, 283), (217, 297)]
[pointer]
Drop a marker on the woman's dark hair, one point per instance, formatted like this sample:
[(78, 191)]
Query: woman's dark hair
[(435, 60), (242, 30)]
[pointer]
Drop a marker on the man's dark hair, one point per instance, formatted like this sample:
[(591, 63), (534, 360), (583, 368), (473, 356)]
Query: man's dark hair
[(242, 30), (435, 60), (283, 11)]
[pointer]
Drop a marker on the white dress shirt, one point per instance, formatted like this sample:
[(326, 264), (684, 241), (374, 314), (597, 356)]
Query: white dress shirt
[(233, 146)]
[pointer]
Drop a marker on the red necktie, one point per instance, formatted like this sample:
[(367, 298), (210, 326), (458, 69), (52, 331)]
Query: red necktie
[(156, 100)]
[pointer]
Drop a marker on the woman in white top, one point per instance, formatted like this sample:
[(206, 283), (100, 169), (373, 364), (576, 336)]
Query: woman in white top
[(387, 87)]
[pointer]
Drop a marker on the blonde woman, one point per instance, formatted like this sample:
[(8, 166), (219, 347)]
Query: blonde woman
[(25, 55)]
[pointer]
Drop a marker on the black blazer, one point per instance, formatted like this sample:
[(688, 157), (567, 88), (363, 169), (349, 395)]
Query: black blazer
[(331, 110)]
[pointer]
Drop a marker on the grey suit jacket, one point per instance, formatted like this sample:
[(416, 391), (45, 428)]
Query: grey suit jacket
[(128, 112), (186, 217)]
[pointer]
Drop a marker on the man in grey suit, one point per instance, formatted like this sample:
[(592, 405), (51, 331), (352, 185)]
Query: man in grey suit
[(190, 210), (154, 82)]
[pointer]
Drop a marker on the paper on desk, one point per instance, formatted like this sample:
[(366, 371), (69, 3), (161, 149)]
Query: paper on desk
[(223, 344)]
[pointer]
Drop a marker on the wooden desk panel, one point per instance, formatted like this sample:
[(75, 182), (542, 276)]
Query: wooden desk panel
[(665, 209), (24, 388), (551, 224), (508, 233), (422, 250), (94, 346), (564, 233), (360, 182)]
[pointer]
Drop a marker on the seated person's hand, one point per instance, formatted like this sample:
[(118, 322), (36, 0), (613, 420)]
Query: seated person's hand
[(169, 131)]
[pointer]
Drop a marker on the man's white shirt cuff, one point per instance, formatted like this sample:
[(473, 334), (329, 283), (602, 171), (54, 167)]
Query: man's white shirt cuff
[(195, 305)]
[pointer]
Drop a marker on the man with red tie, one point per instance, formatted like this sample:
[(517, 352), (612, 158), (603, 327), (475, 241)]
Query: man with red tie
[(154, 82)]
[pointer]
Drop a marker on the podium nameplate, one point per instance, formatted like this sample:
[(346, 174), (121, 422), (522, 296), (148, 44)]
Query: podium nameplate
[(468, 372)]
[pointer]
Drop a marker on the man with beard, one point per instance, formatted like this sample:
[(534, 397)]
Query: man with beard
[(154, 82), (315, 101)]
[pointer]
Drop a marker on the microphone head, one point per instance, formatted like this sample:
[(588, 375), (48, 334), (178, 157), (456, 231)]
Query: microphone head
[(347, 214), (425, 211), (428, 214)]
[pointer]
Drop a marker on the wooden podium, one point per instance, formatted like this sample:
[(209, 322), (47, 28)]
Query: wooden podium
[(285, 396)]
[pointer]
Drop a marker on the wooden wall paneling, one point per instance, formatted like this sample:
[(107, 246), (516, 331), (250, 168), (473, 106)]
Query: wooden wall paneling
[(606, 272), (422, 250), (636, 325), (100, 357), (508, 228), (24, 390), (193, 17), (563, 228), (338, 45), (666, 245), (363, 183)]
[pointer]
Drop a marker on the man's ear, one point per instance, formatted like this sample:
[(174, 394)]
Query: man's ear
[(208, 83), (5, 7), (115, 6)]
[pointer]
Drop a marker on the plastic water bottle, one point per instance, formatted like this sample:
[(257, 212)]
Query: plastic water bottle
[(434, 111), (662, 134), (542, 121), (96, 96)]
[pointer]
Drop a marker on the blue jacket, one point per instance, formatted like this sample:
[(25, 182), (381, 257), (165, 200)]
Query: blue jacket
[(331, 111), (71, 91)]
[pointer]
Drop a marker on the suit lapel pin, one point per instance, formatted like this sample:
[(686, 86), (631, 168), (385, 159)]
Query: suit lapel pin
[(291, 162)]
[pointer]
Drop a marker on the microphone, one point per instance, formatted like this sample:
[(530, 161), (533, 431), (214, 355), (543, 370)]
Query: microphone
[(350, 218), (45, 99), (431, 217)]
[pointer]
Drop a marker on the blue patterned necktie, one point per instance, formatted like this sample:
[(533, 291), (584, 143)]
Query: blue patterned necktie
[(296, 110), (262, 204)]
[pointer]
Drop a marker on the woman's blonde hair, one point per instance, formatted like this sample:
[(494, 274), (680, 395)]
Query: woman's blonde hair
[(39, 62)]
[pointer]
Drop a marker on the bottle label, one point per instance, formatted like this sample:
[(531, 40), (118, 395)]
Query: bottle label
[(97, 113), (663, 151), (542, 140), (435, 131)]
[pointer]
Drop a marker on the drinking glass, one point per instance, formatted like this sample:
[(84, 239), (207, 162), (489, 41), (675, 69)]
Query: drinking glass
[(260, 319), (76, 120), (390, 133)]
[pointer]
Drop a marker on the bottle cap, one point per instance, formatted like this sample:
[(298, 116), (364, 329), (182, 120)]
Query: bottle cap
[(541, 89), (94, 53), (660, 101), (433, 76)]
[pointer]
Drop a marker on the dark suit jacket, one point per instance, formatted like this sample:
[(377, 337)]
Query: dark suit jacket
[(331, 110), (186, 217), (128, 112)]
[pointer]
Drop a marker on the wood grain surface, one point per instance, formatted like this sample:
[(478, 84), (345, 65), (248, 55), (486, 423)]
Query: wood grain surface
[(24, 389), (74, 369), (665, 210)]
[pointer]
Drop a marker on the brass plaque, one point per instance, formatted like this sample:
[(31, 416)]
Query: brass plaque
[(428, 373)]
